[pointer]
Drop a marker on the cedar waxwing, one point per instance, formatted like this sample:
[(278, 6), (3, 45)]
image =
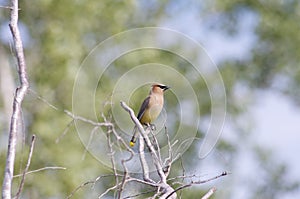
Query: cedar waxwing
[(151, 108)]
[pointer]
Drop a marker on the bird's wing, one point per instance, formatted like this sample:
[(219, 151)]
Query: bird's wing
[(143, 107)]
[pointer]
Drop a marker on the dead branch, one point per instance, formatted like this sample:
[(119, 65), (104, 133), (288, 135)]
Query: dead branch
[(145, 168), (164, 188), (17, 104), (27, 167), (41, 169), (198, 182), (65, 131), (161, 188), (75, 117), (209, 193), (86, 183)]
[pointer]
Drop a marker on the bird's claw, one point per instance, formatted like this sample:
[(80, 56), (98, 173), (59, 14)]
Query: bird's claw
[(153, 127)]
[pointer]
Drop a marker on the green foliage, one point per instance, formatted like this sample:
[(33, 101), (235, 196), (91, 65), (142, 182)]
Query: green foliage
[(62, 33), (276, 53), (275, 180)]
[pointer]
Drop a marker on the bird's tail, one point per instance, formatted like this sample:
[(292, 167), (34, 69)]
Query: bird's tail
[(134, 137)]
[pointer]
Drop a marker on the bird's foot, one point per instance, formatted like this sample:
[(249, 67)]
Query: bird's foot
[(153, 127)]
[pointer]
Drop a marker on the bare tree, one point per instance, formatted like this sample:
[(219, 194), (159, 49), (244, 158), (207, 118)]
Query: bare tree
[(161, 186)]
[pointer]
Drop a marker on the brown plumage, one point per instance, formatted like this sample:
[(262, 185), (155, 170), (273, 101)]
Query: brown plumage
[(150, 108)]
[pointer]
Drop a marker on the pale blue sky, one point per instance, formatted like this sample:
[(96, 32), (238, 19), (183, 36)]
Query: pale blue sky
[(274, 119)]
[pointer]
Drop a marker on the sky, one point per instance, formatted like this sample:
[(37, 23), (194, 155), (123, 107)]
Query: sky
[(275, 118), (277, 127)]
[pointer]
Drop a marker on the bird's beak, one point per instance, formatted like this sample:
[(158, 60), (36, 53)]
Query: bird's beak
[(166, 88)]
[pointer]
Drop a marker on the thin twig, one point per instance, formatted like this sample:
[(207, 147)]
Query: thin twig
[(122, 141), (8, 7), (43, 99), (75, 117), (65, 131), (123, 161), (156, 195), (168, 161), (70, 114), (86, 183), (111, 151), (108, 190), (27, 167), (209, 193), (156, 144), (183, 173), (17, 104), (124, 179), (224, 173), (152, 184), (185, 176), (139, 194), (41, 169), (198, 182), (111, 154), (90, 141)]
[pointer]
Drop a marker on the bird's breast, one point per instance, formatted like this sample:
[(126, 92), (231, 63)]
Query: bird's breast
[(154, 109)]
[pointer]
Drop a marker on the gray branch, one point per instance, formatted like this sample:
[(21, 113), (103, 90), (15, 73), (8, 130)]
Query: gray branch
[(17, 103), (209, 193), (26, 168), (165, 190), (161, 188)]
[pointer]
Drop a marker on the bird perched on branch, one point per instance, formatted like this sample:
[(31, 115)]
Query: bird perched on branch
[(150, 108)]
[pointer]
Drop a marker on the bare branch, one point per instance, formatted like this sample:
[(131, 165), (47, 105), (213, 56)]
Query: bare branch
[(17, 104), (209, 193), (75, 117), (166, 190), (198, 182), (183, 173), (168, 161), (143, 161), (41, 169), (111, 154), (108, 190), (90, 141), (111, 151), (86, 183), (155, 157), (6, 7), (65, 131), (156, 144), (27, 167), (139, 194), (43, 99), (120, 141), (152, 184), (161, 188), (224, 173), (133, 117)]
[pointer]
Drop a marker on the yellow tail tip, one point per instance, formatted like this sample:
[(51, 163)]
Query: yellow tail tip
[(131, 144)]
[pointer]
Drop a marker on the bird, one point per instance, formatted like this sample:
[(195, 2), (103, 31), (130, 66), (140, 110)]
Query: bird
[(150, 108)]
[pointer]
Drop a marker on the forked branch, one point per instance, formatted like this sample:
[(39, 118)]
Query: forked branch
[(160, 187)]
